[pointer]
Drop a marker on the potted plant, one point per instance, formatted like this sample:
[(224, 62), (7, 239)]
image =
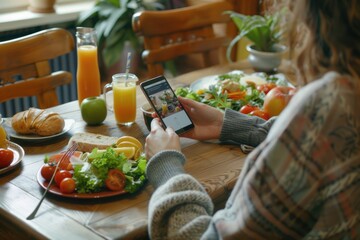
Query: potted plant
[(265, 33), (42, 6), (112, 22)]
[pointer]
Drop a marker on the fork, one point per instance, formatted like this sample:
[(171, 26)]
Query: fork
[(69, 152)]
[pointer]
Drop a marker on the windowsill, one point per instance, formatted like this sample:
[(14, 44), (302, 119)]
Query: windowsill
[(24, 18)]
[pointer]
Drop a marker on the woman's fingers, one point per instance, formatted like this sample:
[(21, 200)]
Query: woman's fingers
[(155, 124)]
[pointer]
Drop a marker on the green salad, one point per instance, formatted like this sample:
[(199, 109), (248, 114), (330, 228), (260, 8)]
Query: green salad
[(91, 175), (231, 91)]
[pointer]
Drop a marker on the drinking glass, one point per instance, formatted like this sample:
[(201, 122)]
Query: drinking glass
[(124, 97), (147, 111)]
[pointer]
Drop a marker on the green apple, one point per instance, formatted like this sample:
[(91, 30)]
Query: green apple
[(93, 110)]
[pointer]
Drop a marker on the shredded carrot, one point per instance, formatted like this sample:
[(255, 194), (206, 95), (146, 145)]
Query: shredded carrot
[(236, 95)]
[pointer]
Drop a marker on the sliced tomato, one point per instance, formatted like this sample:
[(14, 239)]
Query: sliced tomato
[(60, 175), (246, 109), (115, 180), (266, 87), (261, 114), (67, 185), (47, 170), (65, 163)]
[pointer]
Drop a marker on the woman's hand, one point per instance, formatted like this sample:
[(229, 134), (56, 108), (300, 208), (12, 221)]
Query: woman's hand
[(208, 120), (160, 139)]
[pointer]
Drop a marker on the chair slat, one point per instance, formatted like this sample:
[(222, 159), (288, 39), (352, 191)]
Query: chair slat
[(25, 69)]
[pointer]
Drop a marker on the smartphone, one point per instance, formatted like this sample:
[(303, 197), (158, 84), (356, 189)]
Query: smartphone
[(165, 103)]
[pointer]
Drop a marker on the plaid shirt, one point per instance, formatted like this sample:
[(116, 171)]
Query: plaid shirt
[(301, 182)]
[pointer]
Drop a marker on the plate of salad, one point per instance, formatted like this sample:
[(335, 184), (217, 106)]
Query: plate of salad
[(99, 174), (233, 90)]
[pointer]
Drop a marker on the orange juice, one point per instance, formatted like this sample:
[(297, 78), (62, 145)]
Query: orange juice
[(88, 76), (125, 102)]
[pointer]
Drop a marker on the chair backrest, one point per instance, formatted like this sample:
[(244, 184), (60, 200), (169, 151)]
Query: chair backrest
[(172, 33), (25, 69)]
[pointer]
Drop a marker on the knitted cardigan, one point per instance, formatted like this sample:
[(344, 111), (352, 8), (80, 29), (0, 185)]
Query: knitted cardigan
[(302, 181)]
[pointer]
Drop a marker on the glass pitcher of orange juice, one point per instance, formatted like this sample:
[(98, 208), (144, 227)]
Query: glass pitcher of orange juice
[(88, 74)]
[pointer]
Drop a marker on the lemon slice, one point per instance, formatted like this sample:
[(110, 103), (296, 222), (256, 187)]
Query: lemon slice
[(3, 139), (129, 139), (127, 144), (137, 153), (129, 152)]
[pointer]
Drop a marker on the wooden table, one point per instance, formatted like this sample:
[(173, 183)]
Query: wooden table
[(125, 216)]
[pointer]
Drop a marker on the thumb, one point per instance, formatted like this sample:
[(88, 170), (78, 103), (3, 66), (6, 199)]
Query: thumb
[(169, 130), (155, 123)]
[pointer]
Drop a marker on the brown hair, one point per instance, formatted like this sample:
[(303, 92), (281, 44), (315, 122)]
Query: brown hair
[(324, 35)]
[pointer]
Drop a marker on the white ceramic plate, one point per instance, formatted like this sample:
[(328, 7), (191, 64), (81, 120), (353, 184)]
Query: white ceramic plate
[(205, 82), (18, 156), (69, 124)]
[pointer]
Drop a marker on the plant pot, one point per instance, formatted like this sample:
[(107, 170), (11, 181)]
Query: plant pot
[(265, 61), (42, 6)]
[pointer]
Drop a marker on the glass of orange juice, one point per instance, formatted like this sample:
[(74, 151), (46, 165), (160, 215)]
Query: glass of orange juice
[(124, 97)]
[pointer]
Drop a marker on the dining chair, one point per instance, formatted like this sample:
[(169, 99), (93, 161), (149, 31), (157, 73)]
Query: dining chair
[(25, 68), (169, 34)]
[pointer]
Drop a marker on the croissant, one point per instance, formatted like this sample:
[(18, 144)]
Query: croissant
[(37, 121)]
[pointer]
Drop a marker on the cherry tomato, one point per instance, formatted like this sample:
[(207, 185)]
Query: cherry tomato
[(65, 163), (246, 109), (266, 87), (47, 170), (260, 113), (115, 180), (56, 158), (60, 175), (6, 157), (67, 185)]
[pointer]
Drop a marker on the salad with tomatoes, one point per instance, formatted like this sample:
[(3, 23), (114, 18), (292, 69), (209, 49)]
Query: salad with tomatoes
[(236, 90), (96, 171)]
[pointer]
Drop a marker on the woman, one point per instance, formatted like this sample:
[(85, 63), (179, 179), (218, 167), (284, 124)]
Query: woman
[(302, 180)]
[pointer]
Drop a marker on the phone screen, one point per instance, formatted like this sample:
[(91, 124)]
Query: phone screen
[(164, 101)]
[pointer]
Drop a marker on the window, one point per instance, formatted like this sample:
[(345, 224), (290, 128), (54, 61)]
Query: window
[(9, 5)]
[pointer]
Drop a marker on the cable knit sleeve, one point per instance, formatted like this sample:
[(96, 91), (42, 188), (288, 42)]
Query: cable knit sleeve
[(180, 208), (244, 129)]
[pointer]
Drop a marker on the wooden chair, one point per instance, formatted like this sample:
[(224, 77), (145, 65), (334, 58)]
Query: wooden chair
[(170, 34), (25, 69)]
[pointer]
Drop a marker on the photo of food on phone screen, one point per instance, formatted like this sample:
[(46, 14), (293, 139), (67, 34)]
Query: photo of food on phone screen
[(166, 105)]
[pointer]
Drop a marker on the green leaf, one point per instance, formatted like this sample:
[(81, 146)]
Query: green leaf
[(262, 31), (113, 20)]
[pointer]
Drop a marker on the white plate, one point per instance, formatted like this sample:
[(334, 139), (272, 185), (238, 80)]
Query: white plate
[(18, 156), (69, 124), (205, 82)]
